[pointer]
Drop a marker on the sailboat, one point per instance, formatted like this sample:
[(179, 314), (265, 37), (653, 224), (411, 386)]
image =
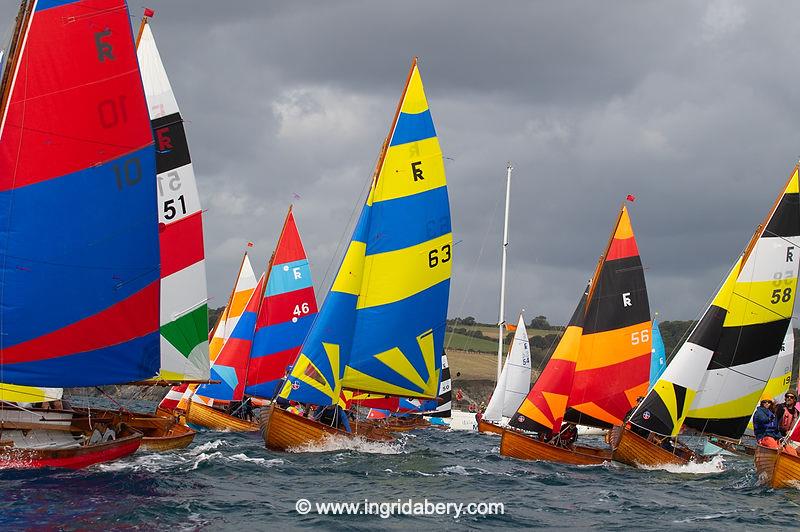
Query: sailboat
[(777, 386), (777, 468), (184, 309), (79, 233), (718, 374), (381, 327), (266, 338), (600, 365), (512, 386), (176, 402)]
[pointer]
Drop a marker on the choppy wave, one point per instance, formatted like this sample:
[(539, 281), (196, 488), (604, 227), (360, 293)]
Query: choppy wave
[(715, 465), (230, 481)]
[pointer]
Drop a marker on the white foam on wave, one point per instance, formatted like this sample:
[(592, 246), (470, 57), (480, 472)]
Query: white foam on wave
[(461, 470), (208, 446), (347, 443), (715, 465), (203, 457)]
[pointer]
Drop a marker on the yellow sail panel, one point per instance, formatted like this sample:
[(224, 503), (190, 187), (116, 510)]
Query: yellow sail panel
[(760, 302), (351, 273), (28, 394), (397, 275), (425, 156)]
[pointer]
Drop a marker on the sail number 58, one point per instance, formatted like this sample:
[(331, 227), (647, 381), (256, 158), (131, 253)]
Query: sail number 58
[(434, 259), (640, 337), (779, 295)]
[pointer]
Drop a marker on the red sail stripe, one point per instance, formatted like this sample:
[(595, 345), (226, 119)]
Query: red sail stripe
[(290, 246), (280, 308), (181, 244), (109, 327), (89, 105), (622, 248)]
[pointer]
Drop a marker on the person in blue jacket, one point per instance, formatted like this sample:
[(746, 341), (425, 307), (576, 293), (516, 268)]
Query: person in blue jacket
[(765, 423)]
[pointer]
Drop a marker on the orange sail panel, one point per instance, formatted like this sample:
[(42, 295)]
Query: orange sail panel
[(543, 408), (615, 349)]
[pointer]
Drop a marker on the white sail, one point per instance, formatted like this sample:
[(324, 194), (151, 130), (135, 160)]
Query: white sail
[(184, 314), (515, 379)]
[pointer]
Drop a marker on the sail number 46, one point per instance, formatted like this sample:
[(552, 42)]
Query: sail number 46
[(434, 259), (640, 337), (779, 295)]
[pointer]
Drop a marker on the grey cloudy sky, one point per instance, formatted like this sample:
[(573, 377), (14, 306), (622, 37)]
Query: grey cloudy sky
[(691, 106)]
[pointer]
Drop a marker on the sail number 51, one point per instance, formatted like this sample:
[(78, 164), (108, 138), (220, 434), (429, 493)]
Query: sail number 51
[(434, 259)]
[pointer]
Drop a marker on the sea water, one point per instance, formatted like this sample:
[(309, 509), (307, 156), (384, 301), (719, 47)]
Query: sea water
[(229, 481)]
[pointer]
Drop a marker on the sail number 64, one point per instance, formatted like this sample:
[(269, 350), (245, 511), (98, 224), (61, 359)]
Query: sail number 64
[(434, 259)]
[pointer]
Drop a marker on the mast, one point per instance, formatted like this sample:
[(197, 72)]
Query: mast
[(13, 54), (501, 320)]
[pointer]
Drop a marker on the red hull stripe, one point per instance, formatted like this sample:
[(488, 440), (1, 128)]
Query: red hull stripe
[(622, 248), (80, 458), (181, 244), (106, 328)]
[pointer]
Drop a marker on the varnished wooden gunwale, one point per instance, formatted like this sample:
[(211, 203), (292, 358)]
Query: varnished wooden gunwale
[(176, 437), (487, 427), (284, 430), (631, 449), (775, 468), (160, 432), (201, 415), (515, 444)]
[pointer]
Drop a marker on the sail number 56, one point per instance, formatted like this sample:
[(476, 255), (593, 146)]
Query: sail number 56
[(640, 337), (434, 259)]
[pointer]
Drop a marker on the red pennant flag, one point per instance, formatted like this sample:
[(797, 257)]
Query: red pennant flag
[(149, 12), (631, 197), (250, 244)]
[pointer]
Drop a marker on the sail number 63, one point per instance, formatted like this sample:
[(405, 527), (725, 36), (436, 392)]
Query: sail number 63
[(434, 259), (640, 337)]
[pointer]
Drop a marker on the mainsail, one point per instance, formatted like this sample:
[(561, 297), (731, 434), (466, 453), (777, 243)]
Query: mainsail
[(658, 362), (287, 312), (184, 309), (515, 379), (230, 367), (243, 288), (277, 317), (79, 304), (716, 378), (602, 361), (381, 328)]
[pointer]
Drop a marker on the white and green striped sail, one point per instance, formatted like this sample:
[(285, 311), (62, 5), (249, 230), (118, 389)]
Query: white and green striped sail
[(184, 310)]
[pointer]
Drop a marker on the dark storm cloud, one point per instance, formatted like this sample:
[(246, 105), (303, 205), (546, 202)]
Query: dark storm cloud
[(690, 106)]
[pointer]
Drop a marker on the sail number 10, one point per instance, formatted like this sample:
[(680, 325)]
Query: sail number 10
[(434, 259)]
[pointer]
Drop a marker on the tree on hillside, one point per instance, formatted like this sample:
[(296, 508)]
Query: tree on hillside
[(469, 320), (540, 322)]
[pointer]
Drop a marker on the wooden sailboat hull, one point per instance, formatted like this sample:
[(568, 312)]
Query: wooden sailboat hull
[(159, 432), (284, 430), (200, 415), (631, 449), (775, 468), (518, 445), (29, 442), (393, 424), (487, 427)]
